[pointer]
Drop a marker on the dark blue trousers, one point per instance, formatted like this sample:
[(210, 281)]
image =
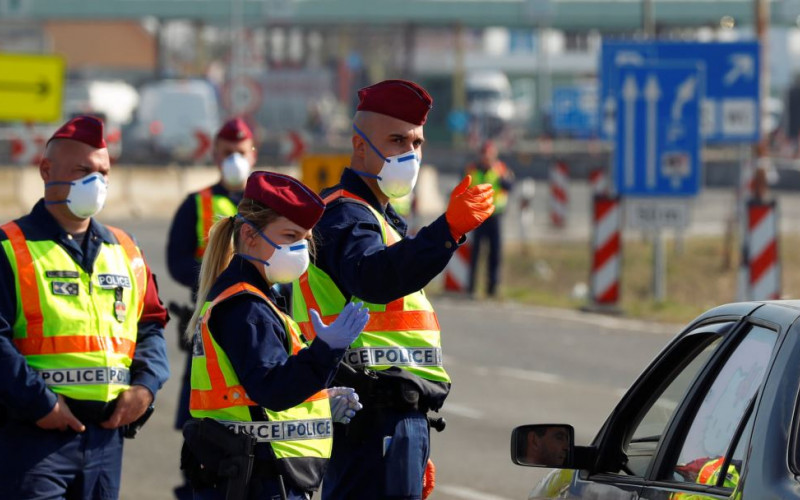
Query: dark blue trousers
[(488, 232), (44, 465), (387, 463)]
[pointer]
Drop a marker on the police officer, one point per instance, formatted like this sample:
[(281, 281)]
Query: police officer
[(83, 352), (250, 368), (235, 156), (490, 170), (363, 255)]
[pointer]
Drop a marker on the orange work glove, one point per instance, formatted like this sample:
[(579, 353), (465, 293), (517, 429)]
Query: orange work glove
[(428, 480), (468, 207)]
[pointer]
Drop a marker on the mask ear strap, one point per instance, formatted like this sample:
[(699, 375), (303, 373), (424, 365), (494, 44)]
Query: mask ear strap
[(253, 259), (58, 183), (364, 136), (260, 233)]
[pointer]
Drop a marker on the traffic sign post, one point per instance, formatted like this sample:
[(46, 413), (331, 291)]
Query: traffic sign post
[(657, 148), (730, 105), (31, 87)]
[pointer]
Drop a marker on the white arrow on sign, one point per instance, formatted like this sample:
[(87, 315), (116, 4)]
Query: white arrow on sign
[(685, 93), (652, 93), (629, 94), (742, 66)]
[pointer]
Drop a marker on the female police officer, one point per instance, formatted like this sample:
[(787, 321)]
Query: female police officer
[(250, 370)]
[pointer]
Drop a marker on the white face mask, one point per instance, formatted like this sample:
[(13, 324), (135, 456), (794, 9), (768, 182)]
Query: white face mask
[(399, 173), (287, 263), (235, 169), (86, 197)]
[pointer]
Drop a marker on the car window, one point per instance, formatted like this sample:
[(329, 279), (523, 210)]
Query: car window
[(640, 449), (713, 429)]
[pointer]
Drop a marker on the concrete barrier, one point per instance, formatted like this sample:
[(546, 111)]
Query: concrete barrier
[(155, 192)]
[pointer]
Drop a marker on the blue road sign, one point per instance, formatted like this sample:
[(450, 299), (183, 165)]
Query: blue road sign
[(657, 147), (575, 110), (730, 107)]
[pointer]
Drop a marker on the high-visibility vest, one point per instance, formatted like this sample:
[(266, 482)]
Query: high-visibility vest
[(491, 176), (210, 208), (302, 436), (77, 330), (708, 475), (404, 333)]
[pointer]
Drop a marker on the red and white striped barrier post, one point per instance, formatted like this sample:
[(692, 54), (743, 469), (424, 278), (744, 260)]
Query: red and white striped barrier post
[(559, 197), (760, 271), (606, 252), (598, 181), (456, 274)]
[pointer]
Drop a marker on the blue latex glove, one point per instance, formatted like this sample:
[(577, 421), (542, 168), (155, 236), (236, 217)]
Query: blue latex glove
[(344, 404), (342, 332)]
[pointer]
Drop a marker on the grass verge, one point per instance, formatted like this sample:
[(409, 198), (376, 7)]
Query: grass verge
[(557, 275)]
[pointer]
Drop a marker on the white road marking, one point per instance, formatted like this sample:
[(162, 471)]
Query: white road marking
[(466, 493), (461, 411)]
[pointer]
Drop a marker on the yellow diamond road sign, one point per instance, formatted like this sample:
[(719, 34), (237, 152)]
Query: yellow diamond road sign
[(31, 87)]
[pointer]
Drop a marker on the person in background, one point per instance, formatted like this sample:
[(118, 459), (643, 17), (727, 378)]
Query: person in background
[(490, 170), (234, 154), (252, 373), (82, 350), (363, 255)]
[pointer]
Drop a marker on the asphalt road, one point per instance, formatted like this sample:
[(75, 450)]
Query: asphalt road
[(510, 365)]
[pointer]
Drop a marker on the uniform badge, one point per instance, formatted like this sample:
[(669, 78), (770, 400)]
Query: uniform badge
[(120, 309)]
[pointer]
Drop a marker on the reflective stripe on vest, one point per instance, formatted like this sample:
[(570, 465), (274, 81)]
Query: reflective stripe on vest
[(210, 207), (294, 430), (493, 177), (71, 325), (217, 393), (397, 334), (86, 376)]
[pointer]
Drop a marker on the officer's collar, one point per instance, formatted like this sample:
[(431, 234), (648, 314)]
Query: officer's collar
[(43, 219), (220, 189), (353, 183), (251, 275)]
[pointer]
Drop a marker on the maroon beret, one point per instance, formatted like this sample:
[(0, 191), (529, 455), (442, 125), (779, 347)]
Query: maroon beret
[(287, 196), (399, 99), (235, 130), (85, 129)]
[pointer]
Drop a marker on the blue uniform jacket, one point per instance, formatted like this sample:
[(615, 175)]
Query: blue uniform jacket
[(349, 247), (254, 338), (22, 391), (182, 242)]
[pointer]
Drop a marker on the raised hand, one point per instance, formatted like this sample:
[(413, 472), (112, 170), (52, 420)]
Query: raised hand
[(345, 329)]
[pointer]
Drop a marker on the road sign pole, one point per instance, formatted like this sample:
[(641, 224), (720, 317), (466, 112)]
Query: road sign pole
[(659, 268)]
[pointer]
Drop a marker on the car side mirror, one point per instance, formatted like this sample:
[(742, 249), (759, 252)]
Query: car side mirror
[(544, 445)]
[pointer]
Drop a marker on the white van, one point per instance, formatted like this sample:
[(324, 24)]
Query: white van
[(490, 101), (174, 119)]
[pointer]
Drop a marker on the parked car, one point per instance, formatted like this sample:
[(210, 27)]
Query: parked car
[(175, 121), (722, 396)]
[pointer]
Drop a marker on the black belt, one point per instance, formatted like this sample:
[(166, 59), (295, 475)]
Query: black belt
[(91, 412)]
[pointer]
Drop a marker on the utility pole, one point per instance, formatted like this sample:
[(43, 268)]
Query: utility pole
[(648, 19), (762, 13)]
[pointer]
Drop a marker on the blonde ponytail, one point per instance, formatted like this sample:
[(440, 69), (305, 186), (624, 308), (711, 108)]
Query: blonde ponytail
[(223, 241), (219, 253)]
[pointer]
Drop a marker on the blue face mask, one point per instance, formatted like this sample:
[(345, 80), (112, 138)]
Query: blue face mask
[(399, 173), (287, 263)]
